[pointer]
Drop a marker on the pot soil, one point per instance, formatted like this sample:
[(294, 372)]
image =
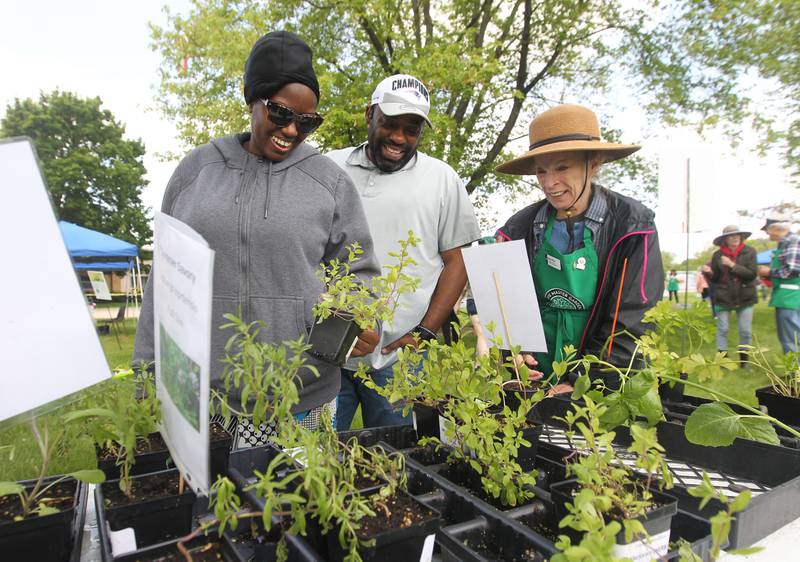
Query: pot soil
[(46, 538), (332, 339), (152, 455), (513, 393), (156, 511), (203, 549), (400, 531), (783, 408), (656, 522)]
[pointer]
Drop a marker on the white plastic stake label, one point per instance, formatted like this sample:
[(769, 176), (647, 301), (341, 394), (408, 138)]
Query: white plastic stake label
[(653, 548), (122, 541), (427, 548)]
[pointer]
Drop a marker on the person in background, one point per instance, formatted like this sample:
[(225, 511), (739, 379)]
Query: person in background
[(732, 274), (272, 208), (784, 273), (701, 285), (580, 238), (673, 285), (403, 189)]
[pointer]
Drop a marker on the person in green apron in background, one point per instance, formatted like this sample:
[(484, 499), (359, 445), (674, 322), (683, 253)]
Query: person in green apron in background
[(784, 272), (579, 239)]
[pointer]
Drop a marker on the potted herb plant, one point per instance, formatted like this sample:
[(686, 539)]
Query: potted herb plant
[(38, 517), (782, 396), (606, 498), (349, 306)]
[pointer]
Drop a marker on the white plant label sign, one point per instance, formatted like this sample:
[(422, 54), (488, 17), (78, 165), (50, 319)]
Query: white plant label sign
[(653, 548), (183, 268), (48, 341), (99, 285), (501, 273)]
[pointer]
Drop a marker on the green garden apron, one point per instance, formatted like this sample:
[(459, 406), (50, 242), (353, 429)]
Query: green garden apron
[(785, 292), (566, 285)]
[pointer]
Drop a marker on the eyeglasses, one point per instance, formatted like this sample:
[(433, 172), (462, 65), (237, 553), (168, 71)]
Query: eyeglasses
[(282, 116)]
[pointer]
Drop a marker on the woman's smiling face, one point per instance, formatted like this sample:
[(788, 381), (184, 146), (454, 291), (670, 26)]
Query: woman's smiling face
[(562, 176), (273, 142)]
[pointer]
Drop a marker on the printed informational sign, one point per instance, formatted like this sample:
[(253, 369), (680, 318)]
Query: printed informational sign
[(99, 286), (502, 286), (48, 341), (183, 267)]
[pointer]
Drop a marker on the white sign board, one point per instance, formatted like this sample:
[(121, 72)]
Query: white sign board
[(501, 273), (99, 286), (48, 341), (183, 266)]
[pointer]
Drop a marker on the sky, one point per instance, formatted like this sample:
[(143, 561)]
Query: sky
[(101, 48)]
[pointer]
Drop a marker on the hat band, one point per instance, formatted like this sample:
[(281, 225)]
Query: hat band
[(562, 138)]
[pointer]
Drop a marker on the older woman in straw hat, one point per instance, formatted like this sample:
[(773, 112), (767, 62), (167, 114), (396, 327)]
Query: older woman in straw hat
[(732, 276), (587, 245)]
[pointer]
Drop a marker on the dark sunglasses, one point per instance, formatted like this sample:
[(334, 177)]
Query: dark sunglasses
[(282, 116)]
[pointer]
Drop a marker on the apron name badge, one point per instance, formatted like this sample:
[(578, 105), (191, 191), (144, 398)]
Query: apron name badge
[(580, 263), (553, 262)]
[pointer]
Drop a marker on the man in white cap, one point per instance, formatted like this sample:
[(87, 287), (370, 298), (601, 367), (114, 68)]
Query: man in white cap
[(784, 272), (403, 189)]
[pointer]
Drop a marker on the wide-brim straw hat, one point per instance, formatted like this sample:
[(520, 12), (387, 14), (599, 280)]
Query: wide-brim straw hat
[(730, 230), (565, 128)]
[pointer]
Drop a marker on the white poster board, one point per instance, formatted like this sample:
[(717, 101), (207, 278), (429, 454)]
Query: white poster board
[(48, 341), (99, 285), (502, 271), (183, 266)]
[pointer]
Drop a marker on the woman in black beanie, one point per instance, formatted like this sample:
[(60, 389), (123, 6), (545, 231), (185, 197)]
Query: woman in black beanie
[(272, 208)]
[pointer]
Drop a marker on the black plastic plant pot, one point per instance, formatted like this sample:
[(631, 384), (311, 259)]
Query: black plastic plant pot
[(398, 436), (220, 442), (155, 460), (426, 420), (672, 391), (398, 544), (211, 545), (332, 339), (513, 394), (153, 520), (783, 408), (46, 538), (657, 522)]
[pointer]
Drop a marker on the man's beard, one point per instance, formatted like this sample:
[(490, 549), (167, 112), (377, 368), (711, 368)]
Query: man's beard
[(385, 165)]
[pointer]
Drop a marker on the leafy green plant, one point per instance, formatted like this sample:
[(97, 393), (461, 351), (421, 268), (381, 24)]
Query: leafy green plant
[(128, 412), (784, 376), (35, 501), (322, 480), (609, 495), (720, 523), (348, 297)]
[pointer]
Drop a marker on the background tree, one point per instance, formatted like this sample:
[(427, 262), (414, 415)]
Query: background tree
[(94, 176)]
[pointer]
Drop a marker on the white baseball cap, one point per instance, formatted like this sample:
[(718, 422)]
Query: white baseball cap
[(402, 94)]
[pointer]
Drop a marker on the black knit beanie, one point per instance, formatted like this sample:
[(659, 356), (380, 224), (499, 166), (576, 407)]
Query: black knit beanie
[(277, 59)]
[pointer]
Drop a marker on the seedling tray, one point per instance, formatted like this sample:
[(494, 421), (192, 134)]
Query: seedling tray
[(770, 472)]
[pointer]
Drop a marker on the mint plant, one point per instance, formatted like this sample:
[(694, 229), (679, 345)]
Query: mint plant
[(348, 297)]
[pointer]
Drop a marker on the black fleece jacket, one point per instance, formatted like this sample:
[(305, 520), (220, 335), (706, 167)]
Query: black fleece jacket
[(628, 231)]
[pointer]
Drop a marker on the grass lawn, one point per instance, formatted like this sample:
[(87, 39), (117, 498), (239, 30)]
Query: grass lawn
[(741, 384)]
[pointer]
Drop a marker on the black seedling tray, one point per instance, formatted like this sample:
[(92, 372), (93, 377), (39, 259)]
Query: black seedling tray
[(770, 472)]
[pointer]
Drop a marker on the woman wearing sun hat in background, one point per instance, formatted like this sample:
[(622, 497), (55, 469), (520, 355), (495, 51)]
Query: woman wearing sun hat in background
[(732, 275), (272, 208), (584, 242)]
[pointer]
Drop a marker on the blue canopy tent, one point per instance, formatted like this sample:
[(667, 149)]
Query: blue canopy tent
[(92, 250)]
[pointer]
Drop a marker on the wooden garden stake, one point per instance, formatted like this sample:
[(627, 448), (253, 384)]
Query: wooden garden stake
[(180, 484), (616, 309), (505, 321)]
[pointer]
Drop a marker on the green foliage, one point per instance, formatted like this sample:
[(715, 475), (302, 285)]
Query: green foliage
[(34, 500), (347, 297), (127, 413), (609, 497), (783, 371), (321, 480), (721, 522), (95, 177), (716, 424)]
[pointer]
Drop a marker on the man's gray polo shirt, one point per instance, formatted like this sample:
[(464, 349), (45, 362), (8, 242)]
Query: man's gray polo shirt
[(425, 196)]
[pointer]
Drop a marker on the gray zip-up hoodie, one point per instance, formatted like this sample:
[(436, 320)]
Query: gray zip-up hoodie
[(270, 224)]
